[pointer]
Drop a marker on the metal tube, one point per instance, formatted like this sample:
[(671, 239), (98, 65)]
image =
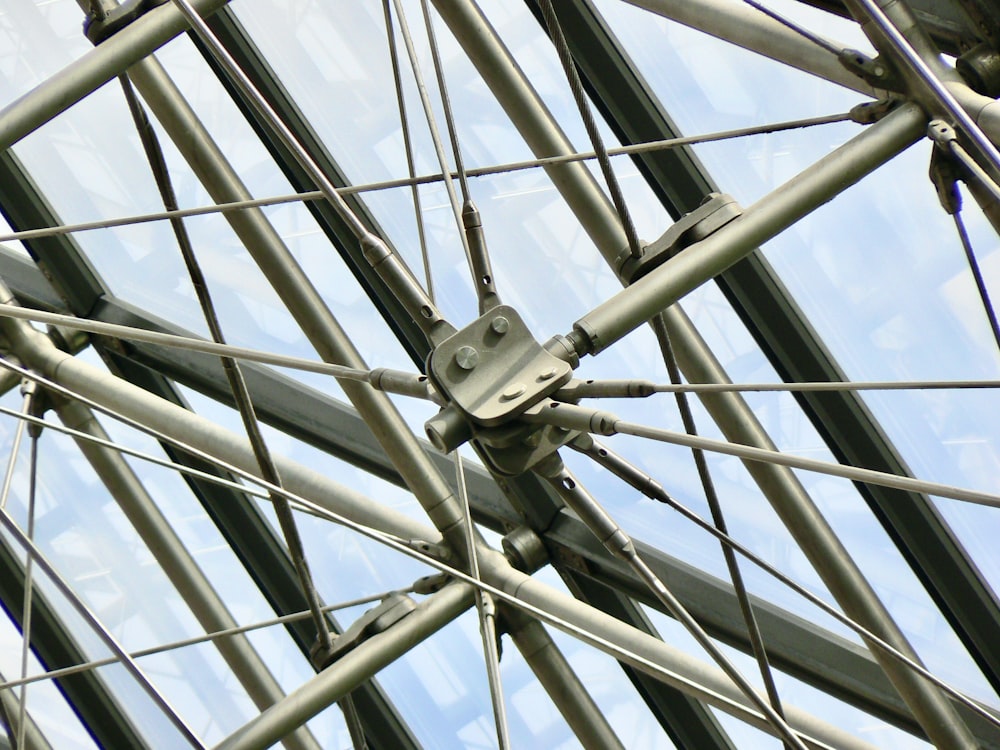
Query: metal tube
[(903, 39), (172, 556), (201, 433), (33, 737), (98, 66), (656, 658), (352, 669), (64, 369), (299, 295), (696, 360), (769, 216), (563, 685), (741, 25)]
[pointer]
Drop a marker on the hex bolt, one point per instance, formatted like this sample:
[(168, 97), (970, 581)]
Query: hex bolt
[(513, 390), (500, 325), (466, 357), (547, 374)]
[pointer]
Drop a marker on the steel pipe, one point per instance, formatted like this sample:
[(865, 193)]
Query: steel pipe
[(561, 682), (699, 365), (173, 557), (98, 66), (352, 669), (743, 26), (769, 216)]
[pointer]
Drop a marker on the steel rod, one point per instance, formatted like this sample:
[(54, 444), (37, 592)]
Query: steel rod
[(300, 296), (787, 495), (486, 610), (16, 444), (404, 126), (196, 640), (237, 384), (652, 489), (618, 542), (774, 213), (29, 585), (175, 561), (718, 518), (738, 24), (432, 127), (413, 181), (100, 631), (575, 417)]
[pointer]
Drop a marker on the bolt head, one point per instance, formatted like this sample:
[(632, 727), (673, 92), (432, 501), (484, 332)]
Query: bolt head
[(513, 390), (500, 325), (547, 374), (466, 357)]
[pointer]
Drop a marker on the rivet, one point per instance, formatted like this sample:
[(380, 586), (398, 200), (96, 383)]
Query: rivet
[(500, 325), (513, 390), (547, 374), (466, 357)]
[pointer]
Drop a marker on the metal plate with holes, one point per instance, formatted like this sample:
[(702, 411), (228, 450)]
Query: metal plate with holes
[(493, 369)]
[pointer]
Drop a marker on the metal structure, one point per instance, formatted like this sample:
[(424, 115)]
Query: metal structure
[(392, 435)]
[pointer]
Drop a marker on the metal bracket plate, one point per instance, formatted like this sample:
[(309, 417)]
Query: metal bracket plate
[(494, 369)]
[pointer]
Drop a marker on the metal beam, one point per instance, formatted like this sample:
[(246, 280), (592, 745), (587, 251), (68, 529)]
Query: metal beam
[(794, 349), (55, 647), (818, 658), (176, 562)]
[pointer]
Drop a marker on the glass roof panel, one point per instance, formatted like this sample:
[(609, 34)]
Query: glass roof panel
[(842, 266)]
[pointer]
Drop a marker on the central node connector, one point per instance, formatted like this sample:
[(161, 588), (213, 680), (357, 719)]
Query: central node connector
[(490, 373)]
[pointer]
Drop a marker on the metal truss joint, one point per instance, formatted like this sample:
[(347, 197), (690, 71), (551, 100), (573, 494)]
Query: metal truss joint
[(876, 72), (378, 619), (524, 549), (980, 69), (102, 23), (717, 210)]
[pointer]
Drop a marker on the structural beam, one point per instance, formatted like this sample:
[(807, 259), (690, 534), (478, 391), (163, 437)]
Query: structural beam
[(791, 345), (176, 562), (85, 75)]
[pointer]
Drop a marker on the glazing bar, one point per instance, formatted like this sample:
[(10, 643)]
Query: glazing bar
[(172, 556), (741, 25), (769, 216), (98, 66)]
